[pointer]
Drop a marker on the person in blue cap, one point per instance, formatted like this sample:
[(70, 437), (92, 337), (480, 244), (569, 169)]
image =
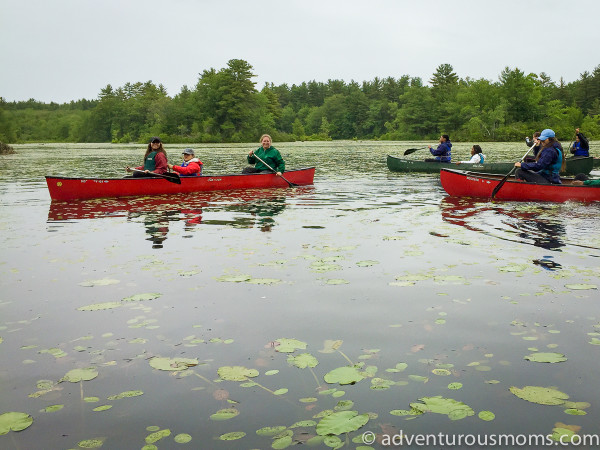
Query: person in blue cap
[(548, 165)]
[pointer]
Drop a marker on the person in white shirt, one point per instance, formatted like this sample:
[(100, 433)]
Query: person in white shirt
[(476, 156)]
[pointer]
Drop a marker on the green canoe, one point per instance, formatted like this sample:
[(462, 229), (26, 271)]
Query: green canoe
[(574, 166)]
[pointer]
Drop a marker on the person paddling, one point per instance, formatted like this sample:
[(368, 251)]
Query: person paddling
[(581, 146), (155, 160), (443, 151), (269, 155), (549, 163)]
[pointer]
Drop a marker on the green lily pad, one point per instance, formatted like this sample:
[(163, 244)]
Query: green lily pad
[(102, 408), (575, 412), (77, 375), (232, 436), (126, 394), (289, 345), (486, 415), (581, 287), (282, 442), (337, 281), (272, 372), (101, 282), (157, 436), (304, 424), (236, 373), (280, 391), (540, 395), (303, 360), (234, 278), (344, 375), (53, 408), (562, 435), (381, 383), (263, 281), (546, 357), (513, 268), (367, 263), (455, 386), (341, 422), (91, 443), (182, 438), (172, 364), (100, 306), (330, 346), (441, 372), (14, 421), (454, 409), (142, 297), (225, 414)]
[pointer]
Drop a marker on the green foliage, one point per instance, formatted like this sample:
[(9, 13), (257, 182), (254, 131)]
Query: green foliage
[(225, 106)]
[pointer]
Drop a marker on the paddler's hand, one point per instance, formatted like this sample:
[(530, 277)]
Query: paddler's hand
[(128, 169), (251, 153), (517, 164), (278, 174), (170, 166)]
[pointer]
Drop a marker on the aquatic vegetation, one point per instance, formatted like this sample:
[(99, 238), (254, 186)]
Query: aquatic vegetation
[(14, 421)]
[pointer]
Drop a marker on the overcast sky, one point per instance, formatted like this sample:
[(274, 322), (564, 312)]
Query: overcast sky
[(63, 50)]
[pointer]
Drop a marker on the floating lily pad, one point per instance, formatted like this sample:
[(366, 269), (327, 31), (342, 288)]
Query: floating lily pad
[(381, 383), (540, 395), (367, 263), (157, 436), (304, 424), (337, 281), (581, 287), (282, 442), (225, 414), (454, 409), (91, 443), (182, 438), (562, 435), (486, 415), (455, 386), (280, 391), (100, 306), (308, 400), (289, 345), (14, 421), (303, 360), (232, 436), (142, 297), (344, 375), (272, 372), (441, 372), (330, 346), (575, 412), (126, 394), (53, 408), (546, 357), (77, 375), (270, 431), (263, 281), (513, 268), (102, 408), (101, 282), (341, 422), (173, 364), (236, 373), (234, 278)]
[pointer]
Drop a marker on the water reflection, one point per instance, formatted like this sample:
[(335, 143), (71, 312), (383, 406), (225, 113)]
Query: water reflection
[(238, 209), (518, 223)]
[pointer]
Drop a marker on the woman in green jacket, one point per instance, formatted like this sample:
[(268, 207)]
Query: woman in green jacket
[(265, 156)]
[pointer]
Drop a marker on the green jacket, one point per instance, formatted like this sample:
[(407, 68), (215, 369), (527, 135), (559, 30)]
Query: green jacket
[(591, 183), (271, 156)]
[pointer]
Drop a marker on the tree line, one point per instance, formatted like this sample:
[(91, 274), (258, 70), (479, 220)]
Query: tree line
[(226, 106)]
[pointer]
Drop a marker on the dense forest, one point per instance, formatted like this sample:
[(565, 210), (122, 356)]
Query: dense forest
[(226, 106)]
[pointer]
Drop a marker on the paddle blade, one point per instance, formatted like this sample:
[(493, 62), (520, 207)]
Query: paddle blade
[(172, 177), (412, 150)]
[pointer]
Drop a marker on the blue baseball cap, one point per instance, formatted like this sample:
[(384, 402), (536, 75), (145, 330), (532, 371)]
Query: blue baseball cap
[(547, 133)]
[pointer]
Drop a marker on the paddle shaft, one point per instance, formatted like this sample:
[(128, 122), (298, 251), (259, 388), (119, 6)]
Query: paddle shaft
[(274, 171), (173, 178), (499, 186)]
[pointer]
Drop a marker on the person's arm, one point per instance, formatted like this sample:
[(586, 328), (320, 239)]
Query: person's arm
[(585, 144), (544, 161), (592, 183), (160, 164), (191, 169), (528, 142), (251, 158), (280, 166)]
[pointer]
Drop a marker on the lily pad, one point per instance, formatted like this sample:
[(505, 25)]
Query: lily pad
[(540, 395), (581, 287), (101, 282), (232, 436), (266, 281), (236, 373), (142, 297), (303, 360), (341, 422), (77, 375), (344, 375), (100, 306), (234, 278), (14, 421), (53, 408), (280, 391), (454, 409), (486, 415), (330, 346), (546, 357), (289, 345), (91, 443), (157, 436), (225, 414), (126, 394), (182, 438), (270, 431), (172, 364)]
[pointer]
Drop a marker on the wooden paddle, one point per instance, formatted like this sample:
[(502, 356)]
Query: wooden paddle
[(499, 185), (274, 171), (412, 150), (172, 177)]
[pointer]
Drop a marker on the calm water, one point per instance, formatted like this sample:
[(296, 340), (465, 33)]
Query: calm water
[(459, 291)]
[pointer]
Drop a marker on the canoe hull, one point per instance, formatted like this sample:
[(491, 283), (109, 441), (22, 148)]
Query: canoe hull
[(395, 164), (67, 188), (458, 183)]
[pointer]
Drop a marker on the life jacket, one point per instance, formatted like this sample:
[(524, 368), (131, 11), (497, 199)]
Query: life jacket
[(197, 161), (580, 151), (481, 158), (553, 172), (149, 162)]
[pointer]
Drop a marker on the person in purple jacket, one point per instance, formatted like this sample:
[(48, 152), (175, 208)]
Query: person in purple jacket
[(443, 151), (547, 166)]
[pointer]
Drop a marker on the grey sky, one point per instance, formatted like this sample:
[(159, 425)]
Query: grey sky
[(63, 50)]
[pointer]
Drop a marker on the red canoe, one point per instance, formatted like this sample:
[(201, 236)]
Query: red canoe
[(459, 183), (67, 188)]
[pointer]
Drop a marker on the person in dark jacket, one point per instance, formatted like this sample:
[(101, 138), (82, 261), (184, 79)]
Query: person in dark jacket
[(535, 143), (269, 155), (550, 161), (155, 160), (581, 146), (443, 151)]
